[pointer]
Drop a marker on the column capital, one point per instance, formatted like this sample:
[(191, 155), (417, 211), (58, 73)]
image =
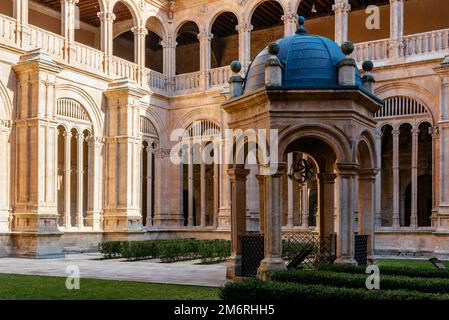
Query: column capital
[(106, 16), (415, 131), (74, 2), (139, 31), (267, 170), (5, 124), (341, 6), (367, 174), (347, 169), (205, 35), (434, 132), (67, 135), (244, 27), (238, 173), (379, 134), (170, 43), (395, 132), (290, 17), (326, 178)]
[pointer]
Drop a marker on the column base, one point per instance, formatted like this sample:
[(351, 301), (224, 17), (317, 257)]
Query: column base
[(234, 267), (268, 265), (346, 260), (37, 245), (93, 220), (168, 220), (122, 220), (224, 219), (36, 222)]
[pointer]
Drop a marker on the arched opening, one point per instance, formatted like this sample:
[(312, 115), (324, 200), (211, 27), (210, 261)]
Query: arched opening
[(73, 163), (200, 174), (87, 23), (267, 25), (405, 162), (188, 48), (150, 145), (225, 43), (153, 45), (387, 176), (123, 44)]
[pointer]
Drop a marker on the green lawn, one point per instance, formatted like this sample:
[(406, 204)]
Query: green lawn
[(421, 264), (37, 287)]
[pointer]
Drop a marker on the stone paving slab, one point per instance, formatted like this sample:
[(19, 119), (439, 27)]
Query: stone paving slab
[(91, 266)]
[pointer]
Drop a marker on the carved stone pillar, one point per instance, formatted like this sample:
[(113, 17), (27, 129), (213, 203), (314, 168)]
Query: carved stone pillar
[(68, 25), (262, 197), (290, 23), (326, 201), (378, 218), (95, 183), (345, 219), (169, 60), (35, 204), (238, 220), (139, 51), (107, 40), (366, 204), (205, 38), (396, 28), (123, 141), (414, 182), (5, 191), (341, 9), (273, 225), (244, 30), (20, 13), (396, 198)]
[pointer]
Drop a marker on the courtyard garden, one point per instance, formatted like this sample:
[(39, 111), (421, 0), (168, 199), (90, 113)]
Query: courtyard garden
[(399, 280)]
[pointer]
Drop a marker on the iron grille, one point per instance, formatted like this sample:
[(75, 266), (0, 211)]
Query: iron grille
[(361, 248), (252, 254), (309, 248)]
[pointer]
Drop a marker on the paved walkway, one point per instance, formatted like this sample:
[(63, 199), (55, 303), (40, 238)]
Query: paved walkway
[(91, 266)]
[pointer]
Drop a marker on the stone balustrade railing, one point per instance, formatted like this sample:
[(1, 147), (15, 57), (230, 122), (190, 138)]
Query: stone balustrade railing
[(85, 56), (8, 30), (372, 50), (187, 82), (220, 76), (49, 42), (122, 68), (93, 60), (427, 42)]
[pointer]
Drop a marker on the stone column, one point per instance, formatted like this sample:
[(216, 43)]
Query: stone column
[(346, 208), (169, 60), (244, 30), (326, 202), (441, 135), (366, 204), (396, 199), (224, 213), (205, 38), (396, 28), (202, 191), (290, 23), (191, 221), (140, 34), (341, 9), (68, 24), (20, 13), (414, 171), (149, 182), (238, 220), (262, 197), (122, 212), (290, 208), (80, 182), (305, 206), (5, 191), (67, 178), (273, 225), (35, 204), (107, 40), (95, 183), (378, 187), (216, 193)]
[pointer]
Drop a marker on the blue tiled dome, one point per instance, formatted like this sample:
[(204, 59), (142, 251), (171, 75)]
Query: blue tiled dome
[(309, 62)]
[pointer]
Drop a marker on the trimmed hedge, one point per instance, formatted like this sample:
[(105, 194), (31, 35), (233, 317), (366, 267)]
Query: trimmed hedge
[(336, 279), (209, 251), (388, 270), (257, 290)]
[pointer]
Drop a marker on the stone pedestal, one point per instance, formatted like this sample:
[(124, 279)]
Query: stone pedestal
[(37, 245)]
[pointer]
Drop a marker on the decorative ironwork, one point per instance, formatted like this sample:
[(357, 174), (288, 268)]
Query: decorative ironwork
[(361, 249), (307, 251), (252, 254), (301, 171)]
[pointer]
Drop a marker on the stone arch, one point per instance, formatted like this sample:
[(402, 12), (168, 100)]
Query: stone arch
[(122, 27), (131, 7), (185, 21), (161, 31), (159, 125), (197, 115), (6, 106), (366, 141), (217, 13), (411, 90), (253, 5), (79, 95), (335, 139)]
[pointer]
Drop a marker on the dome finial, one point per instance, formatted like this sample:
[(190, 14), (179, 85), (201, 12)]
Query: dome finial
[(301, 22)]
